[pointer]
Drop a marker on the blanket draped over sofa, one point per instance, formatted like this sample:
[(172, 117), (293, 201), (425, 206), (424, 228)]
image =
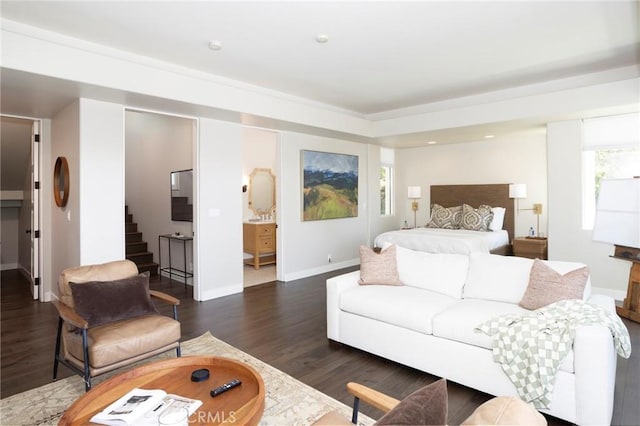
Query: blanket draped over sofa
[(530, 347)]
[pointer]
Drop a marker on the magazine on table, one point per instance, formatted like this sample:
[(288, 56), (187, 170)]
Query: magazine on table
[(143, 406)]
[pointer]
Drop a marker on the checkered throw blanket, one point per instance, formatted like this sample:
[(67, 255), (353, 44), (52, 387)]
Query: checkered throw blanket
[(530, 347)]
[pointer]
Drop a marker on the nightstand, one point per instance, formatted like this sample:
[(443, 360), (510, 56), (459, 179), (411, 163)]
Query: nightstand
[(531, 247)]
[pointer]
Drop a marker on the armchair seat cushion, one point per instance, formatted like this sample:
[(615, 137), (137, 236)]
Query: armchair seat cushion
[(118, 341)]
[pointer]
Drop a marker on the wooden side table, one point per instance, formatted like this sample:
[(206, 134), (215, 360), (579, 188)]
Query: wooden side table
[(531, 247)]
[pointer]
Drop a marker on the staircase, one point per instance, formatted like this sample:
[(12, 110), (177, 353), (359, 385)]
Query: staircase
[(136, 249)]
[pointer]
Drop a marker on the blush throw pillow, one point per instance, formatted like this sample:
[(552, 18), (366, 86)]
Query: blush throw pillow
[(426, 406), (379, 268), (547, 286), (102, 302), (444, 217)]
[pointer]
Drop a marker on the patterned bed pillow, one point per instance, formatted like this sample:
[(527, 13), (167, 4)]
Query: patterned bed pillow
[(476, 219), (445, 217)]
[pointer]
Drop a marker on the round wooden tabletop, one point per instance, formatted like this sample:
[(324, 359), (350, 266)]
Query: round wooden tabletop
[(242, 405)]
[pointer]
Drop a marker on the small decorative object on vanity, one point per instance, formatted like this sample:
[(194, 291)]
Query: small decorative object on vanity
[(531, 247)]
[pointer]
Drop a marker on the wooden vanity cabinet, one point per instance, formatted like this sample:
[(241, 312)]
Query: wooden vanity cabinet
[(259, 240)]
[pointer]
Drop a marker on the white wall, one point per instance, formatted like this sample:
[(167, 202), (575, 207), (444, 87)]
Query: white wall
[(9, 237), (218, 210), (567, 239), (377, 222), (156, 145), (518, 159), (65, 227), (259, 148), (101, 182), (306, 245)]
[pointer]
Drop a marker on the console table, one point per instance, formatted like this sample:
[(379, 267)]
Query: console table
[(171, 270)]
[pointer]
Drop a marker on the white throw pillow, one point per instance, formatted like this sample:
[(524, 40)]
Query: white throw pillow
[(444, 273), (495, 277), (505, 278), (498, 218)]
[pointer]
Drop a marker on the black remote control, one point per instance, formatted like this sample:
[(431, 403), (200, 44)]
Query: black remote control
[(223, 388)]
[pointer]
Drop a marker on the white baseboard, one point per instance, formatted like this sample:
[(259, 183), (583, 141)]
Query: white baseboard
[(8, 266), (321, 270), (616, 294)]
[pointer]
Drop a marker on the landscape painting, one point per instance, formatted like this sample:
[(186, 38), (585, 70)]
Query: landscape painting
[(329, 185)]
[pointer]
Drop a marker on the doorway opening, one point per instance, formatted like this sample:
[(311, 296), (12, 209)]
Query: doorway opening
[(20, 199), (260, 219)]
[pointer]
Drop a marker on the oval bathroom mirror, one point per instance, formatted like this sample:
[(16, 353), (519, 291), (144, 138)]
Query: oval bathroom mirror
[(61, 182)]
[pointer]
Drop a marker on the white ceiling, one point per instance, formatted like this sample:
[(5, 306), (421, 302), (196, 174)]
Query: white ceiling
[(382, 57)]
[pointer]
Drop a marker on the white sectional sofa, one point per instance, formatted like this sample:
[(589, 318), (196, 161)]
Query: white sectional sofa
[(428, 324)]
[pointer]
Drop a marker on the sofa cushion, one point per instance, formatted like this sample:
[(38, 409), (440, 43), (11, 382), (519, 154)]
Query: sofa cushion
[(426, 406), (441, 272), (404, 306), (379, 268), (547, 286), (458, 323), (505, 278)]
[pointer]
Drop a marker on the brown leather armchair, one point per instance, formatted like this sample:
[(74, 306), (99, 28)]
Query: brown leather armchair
[(91, 350)]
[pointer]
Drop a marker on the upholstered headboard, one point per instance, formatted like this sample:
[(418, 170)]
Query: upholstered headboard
[(494, 195)]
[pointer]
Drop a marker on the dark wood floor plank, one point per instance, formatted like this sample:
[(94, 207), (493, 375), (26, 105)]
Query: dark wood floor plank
[(283, 324)]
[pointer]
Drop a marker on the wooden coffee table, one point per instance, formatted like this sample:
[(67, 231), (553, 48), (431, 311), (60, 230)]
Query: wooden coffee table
[(242, 405)]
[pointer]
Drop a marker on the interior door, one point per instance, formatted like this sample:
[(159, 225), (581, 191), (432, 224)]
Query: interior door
[(35, 211)]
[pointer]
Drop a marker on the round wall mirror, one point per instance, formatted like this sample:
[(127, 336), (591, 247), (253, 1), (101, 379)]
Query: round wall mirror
[(61, 181)]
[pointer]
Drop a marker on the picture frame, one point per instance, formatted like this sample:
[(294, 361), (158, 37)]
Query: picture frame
[(329, 185)]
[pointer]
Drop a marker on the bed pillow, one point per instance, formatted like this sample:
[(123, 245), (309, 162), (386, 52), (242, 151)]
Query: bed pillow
[(547, 286), (102, 302), (379, 268), (426, 406), (498, 218), (445, 217), (476, 219)]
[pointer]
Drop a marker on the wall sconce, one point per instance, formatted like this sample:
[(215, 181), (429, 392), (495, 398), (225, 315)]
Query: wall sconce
[(245, 182), (618, 222), (519, 190), (414, 193)]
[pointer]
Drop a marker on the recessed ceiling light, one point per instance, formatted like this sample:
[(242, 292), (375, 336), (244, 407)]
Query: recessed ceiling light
[(432, 143), (322, 38), (215, 45), (488, 136)]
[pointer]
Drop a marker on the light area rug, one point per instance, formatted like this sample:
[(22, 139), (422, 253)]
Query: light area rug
[(287, 401)]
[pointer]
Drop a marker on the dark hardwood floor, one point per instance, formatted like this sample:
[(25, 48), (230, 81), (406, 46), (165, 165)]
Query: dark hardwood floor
[(282, 324)]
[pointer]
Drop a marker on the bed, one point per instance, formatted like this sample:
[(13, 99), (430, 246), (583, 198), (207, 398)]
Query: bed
[(436, 240)]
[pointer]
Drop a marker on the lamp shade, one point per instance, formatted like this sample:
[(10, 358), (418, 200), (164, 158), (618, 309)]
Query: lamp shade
[(618, 213), (414, 192), (518, 190)]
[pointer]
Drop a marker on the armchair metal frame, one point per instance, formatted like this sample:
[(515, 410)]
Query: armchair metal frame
[(67, 314)]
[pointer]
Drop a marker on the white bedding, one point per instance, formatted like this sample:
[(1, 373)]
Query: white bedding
[(435, 240)]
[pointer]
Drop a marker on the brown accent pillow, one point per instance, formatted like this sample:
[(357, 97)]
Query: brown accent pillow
[(445, 217), (426, 406), (102, 302), (547, 286), (379, 268)]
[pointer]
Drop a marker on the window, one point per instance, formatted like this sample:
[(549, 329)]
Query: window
[(610, 149), (386, 181)]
